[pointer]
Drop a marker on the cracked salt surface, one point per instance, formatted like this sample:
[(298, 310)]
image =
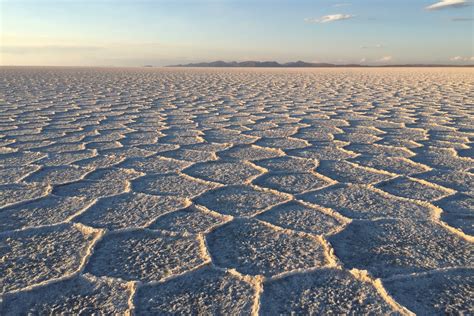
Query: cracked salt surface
[(236, 191)]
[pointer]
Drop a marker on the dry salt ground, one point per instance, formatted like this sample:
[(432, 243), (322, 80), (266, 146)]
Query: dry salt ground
[(236, 191)]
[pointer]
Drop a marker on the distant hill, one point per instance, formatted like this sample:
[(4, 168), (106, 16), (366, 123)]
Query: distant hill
[(267, 64), (296, 64)]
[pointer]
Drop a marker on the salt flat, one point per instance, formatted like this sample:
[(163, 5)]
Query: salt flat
[(236, 191)]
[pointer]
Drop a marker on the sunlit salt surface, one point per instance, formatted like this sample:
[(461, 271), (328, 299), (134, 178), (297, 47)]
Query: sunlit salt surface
[(236, 191)]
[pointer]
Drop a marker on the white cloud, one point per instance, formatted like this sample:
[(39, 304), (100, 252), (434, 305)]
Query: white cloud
[(329, 18), (461, 58), (385, 59), (372, 46), (443, 4)]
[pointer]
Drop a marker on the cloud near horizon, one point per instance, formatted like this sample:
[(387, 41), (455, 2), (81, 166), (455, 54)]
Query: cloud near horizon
[(372, 46), (460, 58), (443, 4), (330, 18), (385, 59)]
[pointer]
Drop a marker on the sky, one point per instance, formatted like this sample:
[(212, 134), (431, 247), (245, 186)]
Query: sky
[(164, 32)]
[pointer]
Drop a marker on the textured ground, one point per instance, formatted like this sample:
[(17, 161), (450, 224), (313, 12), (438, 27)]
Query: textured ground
[(236, 191)]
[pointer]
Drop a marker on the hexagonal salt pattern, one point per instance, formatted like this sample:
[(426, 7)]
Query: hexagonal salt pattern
[(191, 220), (44, 211), (206, 290), (250, 152), (288, 163), (14, 193), (293, 183), (391, 247), (396, 165), (225, 172), (302, 217), (364, 202), (38, 255), (321, 292), (326, 151), (92, 189), (80, 295), (455, 180), (254, 248), (129, 210), (12, 174), (440, 292), (155, 164), (415, 189), (240, 200), (249, 191), (58, 174), (173, 185), (458, 211), (347, 172), (144, 255)]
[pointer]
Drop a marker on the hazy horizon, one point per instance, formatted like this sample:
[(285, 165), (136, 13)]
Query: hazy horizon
[(160, 33)]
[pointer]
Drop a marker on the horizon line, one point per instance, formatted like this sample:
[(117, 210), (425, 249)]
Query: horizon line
[(282, 66)]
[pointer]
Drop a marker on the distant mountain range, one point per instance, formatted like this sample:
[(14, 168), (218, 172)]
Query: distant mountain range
[(297, 64)]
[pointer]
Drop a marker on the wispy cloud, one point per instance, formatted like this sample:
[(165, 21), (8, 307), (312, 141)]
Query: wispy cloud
[(461, 58), (384, 59), (376, 46), (343, 4), (443, 4), (329, 18), (461, 19), (30, 49)]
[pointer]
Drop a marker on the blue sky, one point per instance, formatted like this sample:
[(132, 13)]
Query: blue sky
[(161, 32)]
